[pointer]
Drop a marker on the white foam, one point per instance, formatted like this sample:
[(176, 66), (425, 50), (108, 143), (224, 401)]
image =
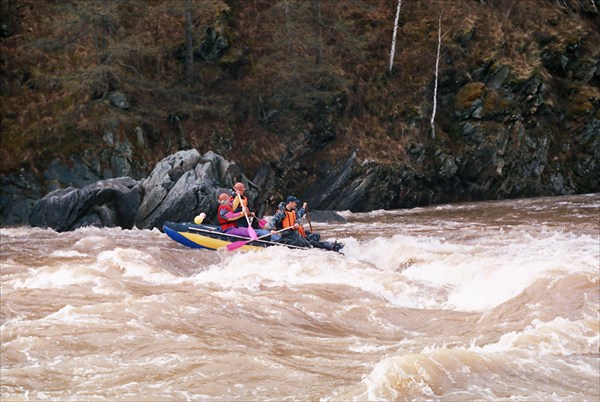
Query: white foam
[(279, 266), (55, 277), (24, 231), (420, 272), (135, 263), (542, 348), (67, 254), (482, 277), (93, 242), (557, 337)]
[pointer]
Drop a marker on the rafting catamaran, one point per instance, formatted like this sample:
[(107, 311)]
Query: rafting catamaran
[(211, 237)]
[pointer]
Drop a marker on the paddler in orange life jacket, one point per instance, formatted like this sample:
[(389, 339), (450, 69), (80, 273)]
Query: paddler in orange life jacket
[(288, 216), (237, 206), (234, 221)]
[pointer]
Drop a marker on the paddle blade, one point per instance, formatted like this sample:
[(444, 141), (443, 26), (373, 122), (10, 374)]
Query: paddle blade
[(262, 223), (252, 233), (236, 245)]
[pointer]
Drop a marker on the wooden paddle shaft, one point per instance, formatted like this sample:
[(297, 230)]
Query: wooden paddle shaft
[(308, 217)]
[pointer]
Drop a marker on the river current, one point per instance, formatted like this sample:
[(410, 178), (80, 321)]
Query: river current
[(475, 301)]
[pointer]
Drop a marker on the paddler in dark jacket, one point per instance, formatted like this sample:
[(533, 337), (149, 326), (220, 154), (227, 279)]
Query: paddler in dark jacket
[(288, 216)]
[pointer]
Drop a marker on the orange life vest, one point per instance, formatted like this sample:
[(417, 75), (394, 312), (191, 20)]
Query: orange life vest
[(290, 220), (225, 224), (235, 201)]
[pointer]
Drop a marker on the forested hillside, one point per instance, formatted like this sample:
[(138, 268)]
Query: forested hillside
[(300, 93)]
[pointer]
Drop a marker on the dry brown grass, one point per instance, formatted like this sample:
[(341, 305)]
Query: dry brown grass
[(66, 56)]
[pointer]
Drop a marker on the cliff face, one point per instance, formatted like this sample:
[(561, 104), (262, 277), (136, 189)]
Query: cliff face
[(299, 96)]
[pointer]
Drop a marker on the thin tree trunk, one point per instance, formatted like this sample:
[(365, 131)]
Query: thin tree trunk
[(156, 22), (319, 56), (393, 50), (189, 46), (289, 33), (437, 64)]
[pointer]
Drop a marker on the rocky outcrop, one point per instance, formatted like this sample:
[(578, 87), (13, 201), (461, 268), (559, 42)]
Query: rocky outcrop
[(507, 137), (119, 99), (213, 46), (106, 203), (185, 184), (326, 216), (18, 194), (180, 187), (517, 108)]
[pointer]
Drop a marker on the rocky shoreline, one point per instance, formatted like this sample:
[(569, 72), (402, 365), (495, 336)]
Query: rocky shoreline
[(187, 183), (517, 101)]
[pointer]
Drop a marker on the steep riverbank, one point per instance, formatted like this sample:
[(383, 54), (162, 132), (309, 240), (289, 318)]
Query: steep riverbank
[(298, 95)]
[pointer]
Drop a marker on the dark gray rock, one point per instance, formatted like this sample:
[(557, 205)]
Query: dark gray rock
[(119, 99), (214, 45), (265, 183), (106, 203), (72, 173), (498, 77), (179, 188), (185, 184), (18, 194), (326, 196), (326, 216)]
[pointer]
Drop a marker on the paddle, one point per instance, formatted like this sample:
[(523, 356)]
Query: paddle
[(241, 243), (308, 217), (251, 231)]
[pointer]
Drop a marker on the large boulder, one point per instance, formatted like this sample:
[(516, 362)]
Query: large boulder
[(106, 203), (180, 187), (184, 184)]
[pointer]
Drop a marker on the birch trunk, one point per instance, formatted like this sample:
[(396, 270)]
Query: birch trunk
[(437, 64), (393, 50)]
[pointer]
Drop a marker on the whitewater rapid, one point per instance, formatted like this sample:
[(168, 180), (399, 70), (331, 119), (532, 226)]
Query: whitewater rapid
[(477, 301)]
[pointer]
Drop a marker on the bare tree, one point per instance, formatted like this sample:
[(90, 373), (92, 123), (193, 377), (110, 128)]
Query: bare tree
[(189, 44), (319, 23), (393, 50), (288, 31), (437, 64)]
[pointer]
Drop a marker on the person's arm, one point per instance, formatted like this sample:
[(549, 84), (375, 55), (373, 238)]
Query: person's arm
[(302, 211), (235, 203), (230, 216), (276, 221), (234, 216)]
